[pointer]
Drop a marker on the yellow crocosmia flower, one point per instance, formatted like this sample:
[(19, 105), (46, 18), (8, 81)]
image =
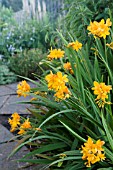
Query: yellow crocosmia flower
[(23, 88), (24, 126), (51, 79), (21, 132), (99, 145), (33, 99), (62, 155), (100, 29), (62, 94), (93, 152), (95, 51), (61, 77), (15, 116), (101, 90), (110, 45), (55, 54), (108, 22), (67, 66), (38, 129), (14, 122), (57, 83), (75, 45)]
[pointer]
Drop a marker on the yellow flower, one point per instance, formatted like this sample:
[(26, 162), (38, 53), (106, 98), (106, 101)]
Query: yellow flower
[(15, 116), (56, 53), (24, 126), (63, 93), (21, 132), (38, 129), (23, 88), (33, 99), (110, 45), (14, 122), (100, 29), (95, 51), (51, 79), (67, 66), (75, 45), (93, 152), (57, 82), (101, 90), (60, 81), (62, 155)]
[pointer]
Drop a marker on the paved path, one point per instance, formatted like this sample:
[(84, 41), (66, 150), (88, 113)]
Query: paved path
[(8, 97)]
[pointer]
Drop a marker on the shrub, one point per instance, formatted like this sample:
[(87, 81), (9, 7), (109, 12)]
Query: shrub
[(16, 6), (27, 62), (25, 36), (16, 36), (72, 124), (81, 12), (6, 76)]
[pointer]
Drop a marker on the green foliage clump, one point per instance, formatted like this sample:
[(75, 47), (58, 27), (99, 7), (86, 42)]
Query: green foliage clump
[(27, 62), (15, 5), (26, 35), (27, 41), (6, 76), (60, 128), (81, 12)]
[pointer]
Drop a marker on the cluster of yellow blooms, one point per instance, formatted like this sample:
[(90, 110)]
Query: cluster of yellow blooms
[(110, 45), (23, 88), (101, 90), (75, 45), (56, 53), (14, 122), (24, 126), (57, 82), (16, 125), (93, 152), (67, 66), (100, 29)]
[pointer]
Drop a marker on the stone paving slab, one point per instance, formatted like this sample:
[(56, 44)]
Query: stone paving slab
[(4, 90), (6, 148), (5, 135), (8, 97), (11, 106), (12, 163), (3, 99), (11, 88)]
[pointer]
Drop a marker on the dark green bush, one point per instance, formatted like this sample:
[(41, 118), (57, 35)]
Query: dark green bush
[(27, 62), (32, 34)]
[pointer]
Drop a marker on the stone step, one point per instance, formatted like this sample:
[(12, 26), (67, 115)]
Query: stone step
[(6, 147), (9, 99)]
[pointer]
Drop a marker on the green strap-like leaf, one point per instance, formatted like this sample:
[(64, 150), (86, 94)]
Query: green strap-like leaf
[(74, 133)]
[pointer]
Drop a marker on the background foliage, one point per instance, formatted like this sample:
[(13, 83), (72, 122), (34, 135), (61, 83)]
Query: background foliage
[(16, 6), (16, 38), (81, 12), (65, 125)]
